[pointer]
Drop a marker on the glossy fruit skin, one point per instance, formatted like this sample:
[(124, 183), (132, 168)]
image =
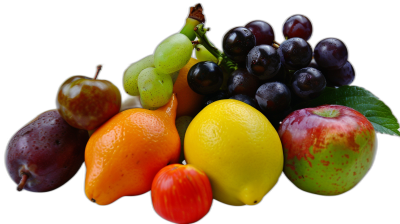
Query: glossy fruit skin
[(308, 83), (48, 149), (181, 193), (327, 155), (237, 43), (86, 103), (262, 31), (297, 26), (120, 166), (330, 53), (172, 54), (263, 61), (273, 97), (295, 53), (205, 77), (215, 141)]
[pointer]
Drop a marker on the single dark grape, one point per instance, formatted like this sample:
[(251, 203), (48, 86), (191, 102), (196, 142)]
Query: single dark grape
[(308, 83), (340, 77), (211, 98), (237, 43), (262, 31), (273, 97), (245, 99), (263, 61), (295, 53), (297, 26), (205, 77), (242, 82), (330, 53)]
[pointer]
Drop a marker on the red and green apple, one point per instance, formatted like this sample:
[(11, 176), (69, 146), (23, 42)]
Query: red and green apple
[(327, 149)]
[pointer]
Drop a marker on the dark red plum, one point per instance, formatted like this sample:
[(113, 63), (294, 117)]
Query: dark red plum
[(45, 153)]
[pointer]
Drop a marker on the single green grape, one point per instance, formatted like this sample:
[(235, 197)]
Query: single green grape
[(145, 106), (131, 74), (173, 54), (182, 123), (202, 54), (155, 89)]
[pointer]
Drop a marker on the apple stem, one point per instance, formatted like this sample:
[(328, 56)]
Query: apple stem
[(22, 182), (97, 72)]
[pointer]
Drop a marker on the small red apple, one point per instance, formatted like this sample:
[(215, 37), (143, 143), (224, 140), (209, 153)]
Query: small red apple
[(181, 193), (327, 149), (86, 103)]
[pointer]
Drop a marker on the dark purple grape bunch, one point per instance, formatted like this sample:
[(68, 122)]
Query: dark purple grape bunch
[(331, 56), (251, 47), (258, 61), (256, 84)]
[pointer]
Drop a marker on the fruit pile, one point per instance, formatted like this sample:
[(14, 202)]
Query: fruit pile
[(223, 125)]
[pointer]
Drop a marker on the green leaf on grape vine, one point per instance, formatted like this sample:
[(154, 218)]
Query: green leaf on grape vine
[(363, 101)]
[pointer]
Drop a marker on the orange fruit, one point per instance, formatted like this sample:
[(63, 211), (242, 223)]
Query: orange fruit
[(124, 154), (189, 101)]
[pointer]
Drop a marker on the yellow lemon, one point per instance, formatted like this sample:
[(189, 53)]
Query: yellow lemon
[(238, 149)]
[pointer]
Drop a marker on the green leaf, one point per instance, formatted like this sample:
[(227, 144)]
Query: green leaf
[(364, 102)]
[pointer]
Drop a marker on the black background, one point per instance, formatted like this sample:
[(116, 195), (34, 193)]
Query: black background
[(42, 43)]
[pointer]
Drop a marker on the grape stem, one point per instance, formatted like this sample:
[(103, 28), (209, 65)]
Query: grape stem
[(22, 182), (275, 44), (195, 17), (226, 64), (97, 72)]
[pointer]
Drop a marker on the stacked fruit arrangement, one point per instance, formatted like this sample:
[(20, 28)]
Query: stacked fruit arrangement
[(223, 125)]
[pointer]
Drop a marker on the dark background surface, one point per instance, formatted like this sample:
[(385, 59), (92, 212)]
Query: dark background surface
[(45, 44)]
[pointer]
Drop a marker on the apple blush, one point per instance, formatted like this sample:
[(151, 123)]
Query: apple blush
[(87, 103), (327, 149)]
